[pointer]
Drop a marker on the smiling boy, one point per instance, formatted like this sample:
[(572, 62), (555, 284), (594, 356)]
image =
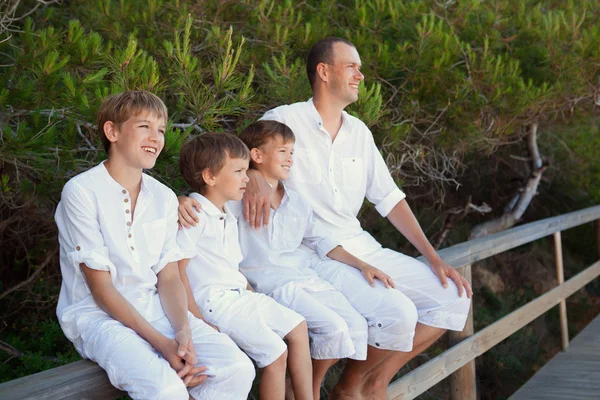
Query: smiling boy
[(215, 165), (122, 302)]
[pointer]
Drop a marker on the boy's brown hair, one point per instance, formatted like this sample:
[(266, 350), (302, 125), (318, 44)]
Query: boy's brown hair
[(119, 107), (208, 150), (260, 132)]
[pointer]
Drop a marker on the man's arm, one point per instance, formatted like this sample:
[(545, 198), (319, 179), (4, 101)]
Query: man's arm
[(404, 220)]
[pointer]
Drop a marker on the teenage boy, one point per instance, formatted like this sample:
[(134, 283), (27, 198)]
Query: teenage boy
[(276, 261), (215, 165), (122, 303)]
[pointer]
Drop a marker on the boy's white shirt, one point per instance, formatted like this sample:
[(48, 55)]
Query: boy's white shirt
[(336, 177), (92, 220), (273, 255), (214, 251)]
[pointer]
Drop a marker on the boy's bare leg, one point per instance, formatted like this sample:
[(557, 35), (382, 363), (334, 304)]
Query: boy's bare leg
[(370, 379), (299, 362), (320, 368), (272, 379)]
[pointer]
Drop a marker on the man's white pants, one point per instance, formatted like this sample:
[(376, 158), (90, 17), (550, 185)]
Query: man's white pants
[(134, 366), (392, 314), (335, 328)]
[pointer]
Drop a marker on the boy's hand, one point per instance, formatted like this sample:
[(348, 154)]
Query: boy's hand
[(371, 273), (187, 216), (216, 328), (257, 203), (179, 352)]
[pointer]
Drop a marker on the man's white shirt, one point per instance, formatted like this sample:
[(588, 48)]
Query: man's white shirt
[(335, 177), (273, 255), (97, 228), (214, 251)]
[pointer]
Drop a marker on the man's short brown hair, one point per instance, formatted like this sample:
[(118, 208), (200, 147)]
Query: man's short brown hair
[(119, 107), (208, 150)]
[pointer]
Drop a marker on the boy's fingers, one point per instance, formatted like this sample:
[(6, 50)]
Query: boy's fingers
[(196, 380), (185, 370), (392, 284)]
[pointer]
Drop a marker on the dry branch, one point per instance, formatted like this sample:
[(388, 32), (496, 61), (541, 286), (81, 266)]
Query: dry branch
[(32, 277)]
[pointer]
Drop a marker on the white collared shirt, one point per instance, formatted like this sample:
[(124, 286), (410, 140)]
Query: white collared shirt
[(96, 227), (335, 177), (273, 255), (214, 251)]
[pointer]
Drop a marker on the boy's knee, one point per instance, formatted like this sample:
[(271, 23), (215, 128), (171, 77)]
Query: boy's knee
[(299, 333), (401, 310)]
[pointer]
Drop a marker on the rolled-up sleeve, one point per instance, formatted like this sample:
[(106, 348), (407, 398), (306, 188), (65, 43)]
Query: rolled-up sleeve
[(187, 238), (316, 237), (382, 191), (170, 251), (79, 231)]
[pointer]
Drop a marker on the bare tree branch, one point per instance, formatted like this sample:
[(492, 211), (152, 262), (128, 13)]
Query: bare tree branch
[(32, 277)]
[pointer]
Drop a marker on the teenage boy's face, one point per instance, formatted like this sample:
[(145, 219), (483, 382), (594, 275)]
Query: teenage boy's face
[(140, 140), (277, 157), (231, 180)]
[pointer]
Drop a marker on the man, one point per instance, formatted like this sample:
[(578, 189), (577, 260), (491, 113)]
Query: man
[(336, 166)]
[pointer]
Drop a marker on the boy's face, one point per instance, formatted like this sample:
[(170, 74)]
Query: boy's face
[(275, 158), (139, 140), (230, 182)]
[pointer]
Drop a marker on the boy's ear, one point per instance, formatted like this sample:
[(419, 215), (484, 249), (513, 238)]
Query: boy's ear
[(208, 177), (110, 131), (256, 155)]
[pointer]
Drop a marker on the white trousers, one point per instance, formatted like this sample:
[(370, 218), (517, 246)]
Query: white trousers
[(134, 366), (335, 328), (392, 314)]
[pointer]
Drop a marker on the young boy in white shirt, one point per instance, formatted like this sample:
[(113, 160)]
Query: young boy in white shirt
[(122, 302), (215, 165), (276, 261)]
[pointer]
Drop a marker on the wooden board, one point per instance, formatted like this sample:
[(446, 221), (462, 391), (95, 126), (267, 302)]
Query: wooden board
[(574, 374)]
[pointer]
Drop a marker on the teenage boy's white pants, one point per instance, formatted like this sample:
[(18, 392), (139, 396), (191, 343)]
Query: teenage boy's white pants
[(392, 314), (134, 366)]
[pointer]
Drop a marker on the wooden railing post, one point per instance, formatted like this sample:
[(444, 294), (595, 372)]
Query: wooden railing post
[(597, 223), (463, 382), (562, 306)]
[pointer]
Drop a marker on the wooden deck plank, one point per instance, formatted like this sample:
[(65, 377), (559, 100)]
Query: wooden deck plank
[(574, 374)]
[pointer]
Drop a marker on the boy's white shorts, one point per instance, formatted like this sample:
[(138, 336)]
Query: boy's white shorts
[(254, 321), (336, 329), (134, 366), (392, 314)]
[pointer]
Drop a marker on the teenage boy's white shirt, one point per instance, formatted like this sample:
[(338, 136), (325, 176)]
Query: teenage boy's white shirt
[(96, 228), (214, 251), (336, 177), (272, 254)]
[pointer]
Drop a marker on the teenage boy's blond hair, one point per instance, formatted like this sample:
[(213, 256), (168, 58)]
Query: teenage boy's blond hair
[(208, 150), (120, 107)]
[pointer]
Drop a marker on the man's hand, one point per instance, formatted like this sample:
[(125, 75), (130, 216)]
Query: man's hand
[(257, 201), (371, 273), (444, 271), (187, 216)]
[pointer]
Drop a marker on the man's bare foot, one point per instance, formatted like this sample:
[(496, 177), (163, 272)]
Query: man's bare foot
[(338, 393)]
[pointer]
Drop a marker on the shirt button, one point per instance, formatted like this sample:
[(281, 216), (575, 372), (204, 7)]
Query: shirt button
[(377, 344), (379, 325), (209, 310), (126, 200), (127, 211), (129, 235), (124, 191), (128, 223), (132, 248), (78, 248), (221, 218)]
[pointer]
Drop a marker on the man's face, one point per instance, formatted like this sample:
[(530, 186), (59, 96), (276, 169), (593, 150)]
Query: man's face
[(344, 74)]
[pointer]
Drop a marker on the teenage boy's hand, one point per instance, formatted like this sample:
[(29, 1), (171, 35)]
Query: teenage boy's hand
[(257, 203), (371, 273), (187, 216), (444, 271), (180, 353)]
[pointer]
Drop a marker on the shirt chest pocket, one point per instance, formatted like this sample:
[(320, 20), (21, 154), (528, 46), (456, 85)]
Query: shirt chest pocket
[(154, 235), (292, 231), (353, 173)]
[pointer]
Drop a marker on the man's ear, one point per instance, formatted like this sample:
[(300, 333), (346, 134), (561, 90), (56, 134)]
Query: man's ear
[(322, 71), (256, 155), (110, 131), (208, 177)]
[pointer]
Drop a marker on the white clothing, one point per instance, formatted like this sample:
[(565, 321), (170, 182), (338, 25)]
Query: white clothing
[(335, 177), (392, 314), (335, 328), (255, 322), (214, 251), (134, 366), (271, 254), (96, 228)]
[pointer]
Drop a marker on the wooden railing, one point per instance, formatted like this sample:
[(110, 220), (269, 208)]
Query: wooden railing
[(84, 379), (459, 359)]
